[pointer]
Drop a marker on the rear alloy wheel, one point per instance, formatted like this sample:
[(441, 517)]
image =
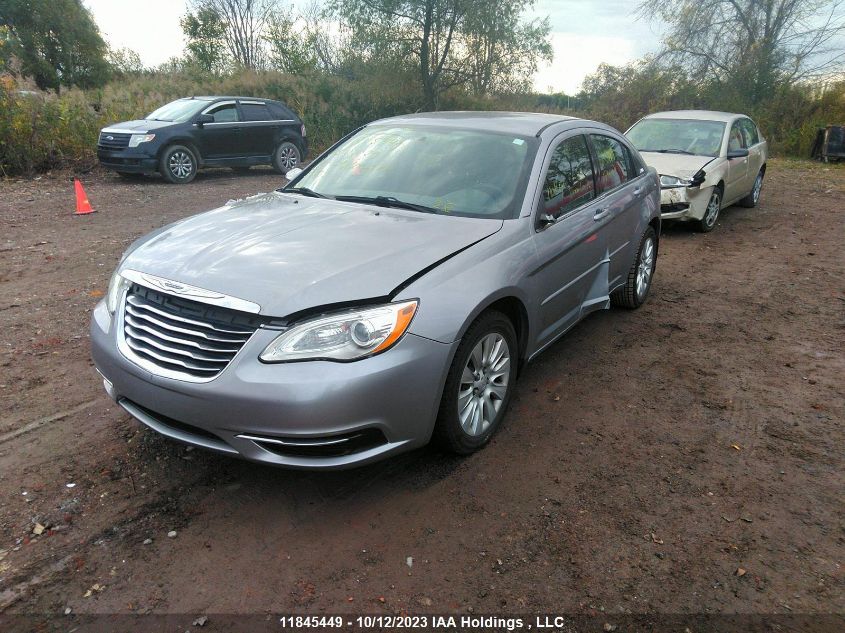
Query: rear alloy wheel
[(178, 164), (750, 201), (286, 157), (479, 385), (633, 294), (711, 214)]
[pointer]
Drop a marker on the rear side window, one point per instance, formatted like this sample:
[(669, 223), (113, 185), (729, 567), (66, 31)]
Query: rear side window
[(280, 112), (255, 112), (224, 113), (569, 180), (613, 168)]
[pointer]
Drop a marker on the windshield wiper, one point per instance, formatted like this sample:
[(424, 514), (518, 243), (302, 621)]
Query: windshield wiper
[(305, 191), (388, 201), (672, 151)]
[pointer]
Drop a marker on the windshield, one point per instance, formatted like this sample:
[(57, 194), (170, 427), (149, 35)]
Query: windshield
[(177, 111), (443, 170), (682, 136)]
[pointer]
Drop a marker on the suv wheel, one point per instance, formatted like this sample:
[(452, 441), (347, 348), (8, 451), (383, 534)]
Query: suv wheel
[(633, 294), (286, 157), (178, 164), (479, 385)]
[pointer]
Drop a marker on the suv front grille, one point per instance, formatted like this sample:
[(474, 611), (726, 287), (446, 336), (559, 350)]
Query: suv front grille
[(113, 140), (192, 339)]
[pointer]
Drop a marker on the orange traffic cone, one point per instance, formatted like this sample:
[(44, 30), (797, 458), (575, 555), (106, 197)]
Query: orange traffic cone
[(83, 207)]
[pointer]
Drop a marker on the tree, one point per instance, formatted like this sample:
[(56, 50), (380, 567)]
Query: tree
[(57, 42), (481, 45), (424, 29), (125, 61), (206, 36), (244, 23), (755, 45), (291, 44), (502, 51)]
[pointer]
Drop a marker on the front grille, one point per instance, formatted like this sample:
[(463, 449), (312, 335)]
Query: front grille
[(113, 140), (179, 335)]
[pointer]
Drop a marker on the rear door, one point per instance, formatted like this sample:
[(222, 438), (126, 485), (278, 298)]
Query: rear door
[(619, 188), (221, 140), (737, 175), (260, 128), (568, 237)]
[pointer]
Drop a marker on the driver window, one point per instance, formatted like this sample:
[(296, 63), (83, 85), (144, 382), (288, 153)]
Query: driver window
[(569, 179), (224, 113), (736, 140)]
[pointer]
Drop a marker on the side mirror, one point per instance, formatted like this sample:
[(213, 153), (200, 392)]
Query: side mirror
[(545, 220), (292, 174), (737, 153), (205, 118)]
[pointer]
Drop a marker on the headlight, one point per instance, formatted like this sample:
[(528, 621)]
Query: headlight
[(136, 139), (117, 285), (668, 182), (345, 336)]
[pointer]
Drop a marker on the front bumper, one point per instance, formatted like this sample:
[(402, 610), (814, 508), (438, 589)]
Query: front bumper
[(133, 160), (684, 203), (394, 396)]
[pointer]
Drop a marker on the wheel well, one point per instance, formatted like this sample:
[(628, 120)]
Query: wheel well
[(655, 224), (763, 169), (515, 310)]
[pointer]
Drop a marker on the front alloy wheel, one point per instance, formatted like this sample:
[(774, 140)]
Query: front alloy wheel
[(479, 385), (484, 384), (711, 214), (178, 165)]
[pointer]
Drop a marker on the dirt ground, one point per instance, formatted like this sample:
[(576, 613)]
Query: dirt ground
[(683, 458)]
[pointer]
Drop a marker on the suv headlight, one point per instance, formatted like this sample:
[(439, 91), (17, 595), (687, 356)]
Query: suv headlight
[(136, 139), (344, 336), (117, 284), (670, 182)]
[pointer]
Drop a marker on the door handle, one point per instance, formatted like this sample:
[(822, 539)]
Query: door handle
[(601, 213), (638, 191)]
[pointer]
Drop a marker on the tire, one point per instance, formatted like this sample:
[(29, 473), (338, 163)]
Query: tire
[(635, 291), (711, 216), (750, 201), (286, 157), (491, 388), (178, 164)]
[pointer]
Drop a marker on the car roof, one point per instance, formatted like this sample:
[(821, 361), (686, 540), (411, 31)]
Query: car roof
[(225, 97), (524, 123), (701, 115)]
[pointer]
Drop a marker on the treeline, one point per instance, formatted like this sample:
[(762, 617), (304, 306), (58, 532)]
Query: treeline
[(343, 63)]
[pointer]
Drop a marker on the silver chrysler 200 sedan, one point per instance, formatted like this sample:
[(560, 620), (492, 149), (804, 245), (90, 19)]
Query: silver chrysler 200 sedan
[(391, 292)]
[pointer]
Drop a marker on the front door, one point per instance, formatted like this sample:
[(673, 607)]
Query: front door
[(737, 175), (569, 240), (221, 139)]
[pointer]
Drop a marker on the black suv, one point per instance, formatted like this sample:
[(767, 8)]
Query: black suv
[(186, 134)]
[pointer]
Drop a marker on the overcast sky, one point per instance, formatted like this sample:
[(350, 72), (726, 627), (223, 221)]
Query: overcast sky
[(584, 34)]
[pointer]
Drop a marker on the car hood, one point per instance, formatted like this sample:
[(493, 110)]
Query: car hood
[(138, 126), (289, 253), (680, 165)]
